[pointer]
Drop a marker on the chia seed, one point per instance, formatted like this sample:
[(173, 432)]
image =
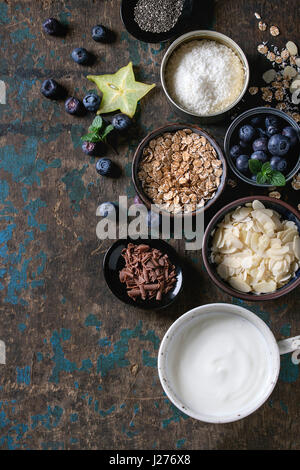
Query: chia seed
[(157, 16)]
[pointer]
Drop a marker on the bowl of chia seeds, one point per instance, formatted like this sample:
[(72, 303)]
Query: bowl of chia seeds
[(155, 21)]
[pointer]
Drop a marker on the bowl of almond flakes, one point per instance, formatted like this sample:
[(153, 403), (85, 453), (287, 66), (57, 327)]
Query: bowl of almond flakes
[(251, 248), (179, 169)]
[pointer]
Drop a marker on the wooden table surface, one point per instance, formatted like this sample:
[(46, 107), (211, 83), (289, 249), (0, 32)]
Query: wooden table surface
[(81, 366)]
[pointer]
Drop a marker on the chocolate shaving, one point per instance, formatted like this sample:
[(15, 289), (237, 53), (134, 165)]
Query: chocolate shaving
[(147, 273)]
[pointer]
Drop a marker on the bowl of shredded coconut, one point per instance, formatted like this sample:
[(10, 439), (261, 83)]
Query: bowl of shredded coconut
[(204, 75)]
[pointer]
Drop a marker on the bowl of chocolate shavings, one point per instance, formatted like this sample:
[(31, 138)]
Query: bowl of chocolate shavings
[(145, 273)]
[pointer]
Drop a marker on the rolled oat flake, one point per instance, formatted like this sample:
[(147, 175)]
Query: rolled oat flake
[(157, 16)]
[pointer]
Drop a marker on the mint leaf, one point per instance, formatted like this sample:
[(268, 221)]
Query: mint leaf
[(266, 168), (277, 178), (254, 166), (261, 178), (97, 122), (107, 130), (92, 137)]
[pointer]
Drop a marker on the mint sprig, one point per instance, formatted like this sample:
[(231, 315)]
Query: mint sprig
[(98, 131), (265, 174)]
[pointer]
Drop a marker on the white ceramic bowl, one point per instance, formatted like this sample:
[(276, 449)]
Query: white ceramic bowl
[(192, 317)]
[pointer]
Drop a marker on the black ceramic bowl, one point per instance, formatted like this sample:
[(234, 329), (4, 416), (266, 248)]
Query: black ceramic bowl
[(173, 128), (286, 211), (127, 16), (231, 138), (113, 263)]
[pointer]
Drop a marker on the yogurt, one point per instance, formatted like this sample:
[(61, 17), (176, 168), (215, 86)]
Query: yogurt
[(219, 364)]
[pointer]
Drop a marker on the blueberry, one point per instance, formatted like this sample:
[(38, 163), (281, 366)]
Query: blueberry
[(100, 33), (80, 55), (291, 133), (121, 122), (93, 148), (279, 145), (274, 161), (261, 132), (235, 151), (105, 167), (272, 130), (242, 163), (271, 121), (108, 209), (92, 102), (247, 133), (260, 144), (137, 201), (259, 155), (256, 121), (73, 106), (53, 27), (244, 145), (282, 165), (51, 89), (253, 178)]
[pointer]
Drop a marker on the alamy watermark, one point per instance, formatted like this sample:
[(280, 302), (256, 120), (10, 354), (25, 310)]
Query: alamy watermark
[(136, 221), (2, 92), (2, 352)]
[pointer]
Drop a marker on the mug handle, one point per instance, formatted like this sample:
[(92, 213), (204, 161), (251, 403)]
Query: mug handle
[(289, 345)]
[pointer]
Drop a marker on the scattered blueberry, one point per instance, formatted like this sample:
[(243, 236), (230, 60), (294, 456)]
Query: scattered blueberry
[(256, 121), (137, 200), (279, 145), (271, 130), (108, 209), (121, 122), (259, 155), (272, 120), (73, 106), (253, 177), (242, 163), (291, 133), (100, 33), (80, 55), (92, 102), (235, 151), (247, 133), (53, 27), (93, 148), (105, 167), (260, 144), (51, 89)]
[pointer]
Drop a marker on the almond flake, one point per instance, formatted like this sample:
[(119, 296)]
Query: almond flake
[(275, 194), (292, 48), (289, 72), (269, 76)]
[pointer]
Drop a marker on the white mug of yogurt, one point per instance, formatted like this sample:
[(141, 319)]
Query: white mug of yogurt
[(219, 362)]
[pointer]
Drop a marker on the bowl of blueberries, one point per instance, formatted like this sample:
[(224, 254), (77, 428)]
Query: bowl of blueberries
[(262, 147)]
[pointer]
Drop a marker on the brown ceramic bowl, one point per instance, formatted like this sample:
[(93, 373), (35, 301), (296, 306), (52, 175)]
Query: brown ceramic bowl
[(285, 210), (173, 128)]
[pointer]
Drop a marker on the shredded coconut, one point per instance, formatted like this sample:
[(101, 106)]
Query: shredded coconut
[(204, 76)]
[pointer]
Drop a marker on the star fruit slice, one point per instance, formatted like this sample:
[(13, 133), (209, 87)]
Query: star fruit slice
[(120, 91)]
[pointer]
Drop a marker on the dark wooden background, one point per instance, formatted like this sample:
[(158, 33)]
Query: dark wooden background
[(81, 366)]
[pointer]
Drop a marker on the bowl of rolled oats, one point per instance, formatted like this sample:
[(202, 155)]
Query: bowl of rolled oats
[(251, 248), (180, 169)]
